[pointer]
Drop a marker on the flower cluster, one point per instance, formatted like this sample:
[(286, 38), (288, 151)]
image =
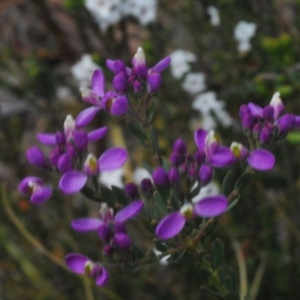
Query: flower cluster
[(137, 78), (109, 12), (169, 197)]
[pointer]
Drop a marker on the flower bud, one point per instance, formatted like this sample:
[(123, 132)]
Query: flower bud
[(268, 112), (104, 232), (285, 123), (64, 163), (36, 157), (121, 241), (54, 156), (176, 158), (146, 185), (205, 174), (60, 138), (174, 176), (80, 139), (180, 146), (131, 190), (160, 177), (199, 157)]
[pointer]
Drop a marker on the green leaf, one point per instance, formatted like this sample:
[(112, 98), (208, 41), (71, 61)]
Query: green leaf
[(90, 194), (152, 256), (151, 113), (232, 296), (227, 184), (108, 196), (164, 192), (243, 182), (153, 137), (175, 200), (175, 258), (159, 200), (120, 195), (147, 167), (218, 253), (165, 163), (293, 137), (137, 130), (233, 203), (160, 246)]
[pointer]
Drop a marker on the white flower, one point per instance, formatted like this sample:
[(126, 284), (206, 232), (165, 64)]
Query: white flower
[(179, 62), (207, 102), (163, 261), (105, 12), (143, 10), (243, 32), (83, 70), (194, 83), (139, 174), (208, 122), (209, 190), (115, 178), (214, 15), (223, 117)]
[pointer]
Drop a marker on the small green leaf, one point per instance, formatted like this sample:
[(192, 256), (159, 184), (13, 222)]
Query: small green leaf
[(90, 194), (243, 182), (108, 196), (232, 296), (136, 130), (151, 113), (227, 185), (153, 137), (233, 203), (175, 200), (175, 258), (160, 246), (120, 195), (159, 200), (218, 253), (147, 167), (165, 163), (293, 137)]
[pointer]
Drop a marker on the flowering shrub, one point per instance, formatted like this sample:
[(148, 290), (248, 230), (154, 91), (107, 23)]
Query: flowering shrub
[(168, 204)]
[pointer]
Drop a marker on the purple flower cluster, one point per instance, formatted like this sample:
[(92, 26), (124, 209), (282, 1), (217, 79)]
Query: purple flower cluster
[(69, 147), (267, 124), (137, 78), (111, 230), (198, 170)]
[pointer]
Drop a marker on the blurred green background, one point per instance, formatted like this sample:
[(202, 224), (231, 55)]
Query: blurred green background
[(40, 42)]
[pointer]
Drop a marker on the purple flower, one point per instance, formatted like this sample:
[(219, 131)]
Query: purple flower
[(106, 217), (35, 188), (173, 223), (110, 228), (215, 155), (258, 159), (73, 181), (114, 103), (82, 265), (160, 177), (36, 157)]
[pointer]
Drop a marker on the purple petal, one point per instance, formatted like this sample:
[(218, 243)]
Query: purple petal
[(221, 158), (36, 157), (297, 122), (255, 110), (98, 83), (211, 206), (86, 116), (86, 224), (170, 225), (129, 211), (97, 134), (110, 65), (112, 159), (261, 160), (23, 185), (154, 81), (102, 278), (163, 64), (119, 106), (76, 262), (41, 195), (47, 138), (199, 137), (72, 182)]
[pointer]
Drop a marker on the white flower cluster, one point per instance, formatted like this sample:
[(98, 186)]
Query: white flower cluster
[(109, 12), (214, 15), (83, 70), (194, 83), (243, 32)]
